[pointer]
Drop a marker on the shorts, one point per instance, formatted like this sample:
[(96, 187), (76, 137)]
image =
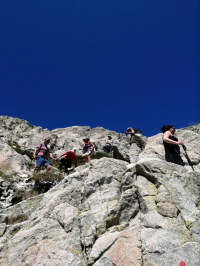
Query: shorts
[(89, 152), (67, 162), (41, 161)]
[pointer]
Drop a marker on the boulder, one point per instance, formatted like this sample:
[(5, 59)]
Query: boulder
[(130, 210)]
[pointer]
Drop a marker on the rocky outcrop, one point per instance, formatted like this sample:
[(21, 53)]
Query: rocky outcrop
[(128, 211)]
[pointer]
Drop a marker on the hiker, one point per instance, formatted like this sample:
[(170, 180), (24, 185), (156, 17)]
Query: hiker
[(130, 134), (171, 145), (68, 159), (41, 154), (109, 144), (88, 149)]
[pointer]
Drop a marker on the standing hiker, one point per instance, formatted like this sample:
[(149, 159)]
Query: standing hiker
[(68, 159), (109, 144), (130, 134), (171, 145), (41, 155), (88, 149)]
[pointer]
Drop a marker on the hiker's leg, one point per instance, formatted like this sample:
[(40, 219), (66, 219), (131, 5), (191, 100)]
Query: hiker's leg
[(169, 158), (132, 137), (60, 167), (178, 159), (36, 169), (62, 162), (83, 158), (47, 166), (128, 137), (107, 148), (39, 162), (89, 158), (67, 165), (173, 158)]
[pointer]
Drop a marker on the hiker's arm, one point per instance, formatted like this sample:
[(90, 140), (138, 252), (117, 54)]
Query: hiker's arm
[(60, 156), (35, 153), (166, 139), (92, 145), (133, 131), (75, 162), (49, 156)]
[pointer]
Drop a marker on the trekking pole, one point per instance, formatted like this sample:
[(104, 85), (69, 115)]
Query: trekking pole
[(187, 157)]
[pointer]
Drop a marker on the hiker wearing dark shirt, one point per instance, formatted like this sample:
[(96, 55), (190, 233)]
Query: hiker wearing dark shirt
[(88, 149), (130, 134), (68, 159), (171, 145), (41, 155)]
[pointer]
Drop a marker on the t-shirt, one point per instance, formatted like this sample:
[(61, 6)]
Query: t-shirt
[(71, 155), (110, 141), (44, 150), (173, 148)]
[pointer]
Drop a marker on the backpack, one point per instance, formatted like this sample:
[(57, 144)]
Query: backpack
[(138, 131)]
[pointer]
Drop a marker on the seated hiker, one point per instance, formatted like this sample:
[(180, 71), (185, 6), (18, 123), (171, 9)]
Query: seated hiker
[(109, 144), (130, 134), (68, 159), (171, 145), (41, 155), (88, 149)]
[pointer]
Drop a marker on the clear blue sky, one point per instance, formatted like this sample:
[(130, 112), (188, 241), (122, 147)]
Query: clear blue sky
[(108, 63)]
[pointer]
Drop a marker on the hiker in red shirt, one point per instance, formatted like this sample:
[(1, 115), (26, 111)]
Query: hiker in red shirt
[(41, 155), (68, 159)]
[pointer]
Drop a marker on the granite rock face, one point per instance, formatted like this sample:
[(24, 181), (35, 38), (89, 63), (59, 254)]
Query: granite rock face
[(131, 210)]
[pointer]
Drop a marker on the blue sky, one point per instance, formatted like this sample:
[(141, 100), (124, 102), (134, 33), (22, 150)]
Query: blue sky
[(108, 63)]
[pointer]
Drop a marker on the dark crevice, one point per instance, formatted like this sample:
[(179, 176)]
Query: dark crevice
[(157, 252), (60, 224), (156, 227)]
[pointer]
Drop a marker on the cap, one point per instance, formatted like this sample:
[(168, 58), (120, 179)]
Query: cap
[(73, 150)]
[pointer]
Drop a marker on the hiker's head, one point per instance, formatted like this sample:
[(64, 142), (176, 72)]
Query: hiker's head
[(47, 140), (109, 136), (170, 128), (86, 139), (74, 150)]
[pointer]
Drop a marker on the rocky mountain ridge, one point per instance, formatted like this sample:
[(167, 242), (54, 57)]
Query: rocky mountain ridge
[(130, 210)]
